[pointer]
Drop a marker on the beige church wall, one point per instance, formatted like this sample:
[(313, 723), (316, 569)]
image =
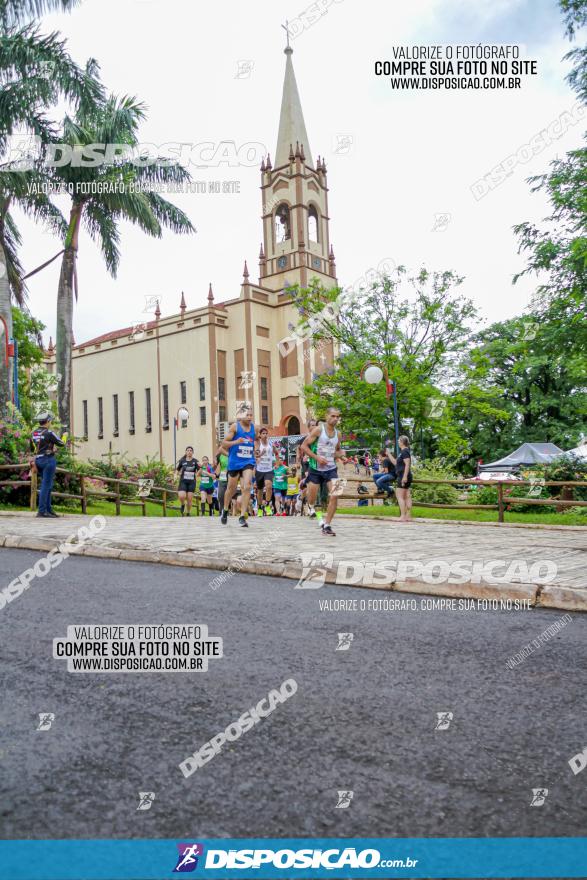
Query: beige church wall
[(116, 370), (185, 358)]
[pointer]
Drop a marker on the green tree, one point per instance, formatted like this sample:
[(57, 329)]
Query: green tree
[(104, 193), (575, 18), (532, 368), (557, 253), (417, 327), (36, 385)]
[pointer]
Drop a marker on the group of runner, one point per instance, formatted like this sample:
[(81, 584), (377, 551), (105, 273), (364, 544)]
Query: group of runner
[(250, 472), (244, 455)]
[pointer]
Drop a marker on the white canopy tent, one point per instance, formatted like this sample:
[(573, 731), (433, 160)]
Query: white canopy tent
[(525, 455), (579, 451)]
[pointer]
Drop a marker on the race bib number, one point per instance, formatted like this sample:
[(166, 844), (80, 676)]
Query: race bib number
[(245, 451)]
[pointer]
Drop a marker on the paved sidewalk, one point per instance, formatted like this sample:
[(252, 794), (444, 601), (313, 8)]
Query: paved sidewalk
[(285, 546)]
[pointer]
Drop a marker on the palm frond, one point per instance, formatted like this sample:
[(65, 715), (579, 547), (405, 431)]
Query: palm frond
[(169, 215), (11, 240), (36, 71), (102, 227), (14, 12)]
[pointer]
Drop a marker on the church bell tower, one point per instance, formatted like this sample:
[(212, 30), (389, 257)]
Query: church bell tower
[(296, 239)]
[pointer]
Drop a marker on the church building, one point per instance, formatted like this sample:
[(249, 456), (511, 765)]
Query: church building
[(129, 384)]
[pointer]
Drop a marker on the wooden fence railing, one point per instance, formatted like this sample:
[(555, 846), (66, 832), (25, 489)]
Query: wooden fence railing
[(87, 492), (503, 500)]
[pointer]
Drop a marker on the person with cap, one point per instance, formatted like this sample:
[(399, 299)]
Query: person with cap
[(44, 441)]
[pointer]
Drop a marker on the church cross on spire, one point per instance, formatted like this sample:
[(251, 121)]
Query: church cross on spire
[(286, 29)]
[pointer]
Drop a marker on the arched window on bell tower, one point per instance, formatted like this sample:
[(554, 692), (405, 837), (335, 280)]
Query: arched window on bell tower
[(313, 227), (282, 224)]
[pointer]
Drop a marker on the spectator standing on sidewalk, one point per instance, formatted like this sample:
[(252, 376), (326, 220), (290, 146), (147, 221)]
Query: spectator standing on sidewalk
[(403, 467), (44, 441)]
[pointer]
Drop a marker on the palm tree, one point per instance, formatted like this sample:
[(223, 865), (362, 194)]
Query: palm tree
[(35, 73), (102, 195)]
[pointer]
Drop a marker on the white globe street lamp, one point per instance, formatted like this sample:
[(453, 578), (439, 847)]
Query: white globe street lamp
[(184, 415), (373, 374)]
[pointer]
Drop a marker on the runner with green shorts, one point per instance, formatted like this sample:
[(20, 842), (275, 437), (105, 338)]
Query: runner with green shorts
[(279, 485)]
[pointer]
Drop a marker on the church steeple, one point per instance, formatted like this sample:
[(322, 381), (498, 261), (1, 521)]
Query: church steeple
[(292, 127), (296, 236)]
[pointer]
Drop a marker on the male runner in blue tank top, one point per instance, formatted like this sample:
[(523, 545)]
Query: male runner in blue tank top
[(240, 445)]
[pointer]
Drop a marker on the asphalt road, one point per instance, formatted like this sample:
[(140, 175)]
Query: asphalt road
[(362, 719)]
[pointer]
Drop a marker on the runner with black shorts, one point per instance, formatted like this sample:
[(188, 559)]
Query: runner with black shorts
[(403, 469), (206, 487), (302, 460), (264, 472), (222, 474), (187, 468), (240, 445), (322, 446)]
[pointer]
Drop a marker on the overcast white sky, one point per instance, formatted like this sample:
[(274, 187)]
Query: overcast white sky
[(414, 154)]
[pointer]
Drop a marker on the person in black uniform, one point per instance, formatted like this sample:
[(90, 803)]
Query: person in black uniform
[(188, 468), (44, 441), (403, 469)]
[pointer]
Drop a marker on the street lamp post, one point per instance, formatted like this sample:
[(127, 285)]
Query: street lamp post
[(373, 373), (184, 415)]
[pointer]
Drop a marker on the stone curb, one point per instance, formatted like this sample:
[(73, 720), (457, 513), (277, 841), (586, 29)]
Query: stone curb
[(568, 598), (543, 596), (467, 522)]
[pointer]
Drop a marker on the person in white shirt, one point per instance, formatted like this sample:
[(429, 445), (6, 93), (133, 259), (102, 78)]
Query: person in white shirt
[(264, 472)]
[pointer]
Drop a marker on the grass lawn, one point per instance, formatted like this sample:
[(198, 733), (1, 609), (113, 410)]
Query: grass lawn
[(106, 508), (547, 519)]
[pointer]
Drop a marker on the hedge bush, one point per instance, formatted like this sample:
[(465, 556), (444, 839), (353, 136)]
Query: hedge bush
[(433, 469)]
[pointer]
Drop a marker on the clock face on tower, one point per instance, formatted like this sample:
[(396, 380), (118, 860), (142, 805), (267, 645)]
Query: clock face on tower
[(316, 262), (282, 262)]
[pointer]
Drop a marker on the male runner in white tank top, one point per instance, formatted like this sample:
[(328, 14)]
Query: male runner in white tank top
[(323, 463), (264, 472)]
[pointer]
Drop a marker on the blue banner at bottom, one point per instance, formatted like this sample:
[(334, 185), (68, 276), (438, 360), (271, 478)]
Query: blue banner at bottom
[(272, 858)]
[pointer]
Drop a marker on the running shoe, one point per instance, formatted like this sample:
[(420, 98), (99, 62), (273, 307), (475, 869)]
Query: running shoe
[(327, 530), (242, 521), (312, 512), (259, 512), (268, 511), (224, 517), (52, 515)]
